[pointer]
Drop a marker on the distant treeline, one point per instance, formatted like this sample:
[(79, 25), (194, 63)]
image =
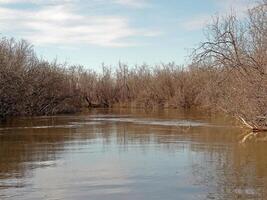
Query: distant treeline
[(228, 73)]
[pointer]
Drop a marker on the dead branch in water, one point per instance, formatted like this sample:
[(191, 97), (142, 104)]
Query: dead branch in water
[(251, 126), (244, 122)]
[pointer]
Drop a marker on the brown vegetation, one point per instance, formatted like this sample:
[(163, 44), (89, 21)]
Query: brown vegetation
[(228, 73), (29, 86), (238, 51)]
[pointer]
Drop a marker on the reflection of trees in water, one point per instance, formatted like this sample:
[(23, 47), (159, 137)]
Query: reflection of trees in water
[(254, 137), (232, 172), (23, 149), (229, 169)]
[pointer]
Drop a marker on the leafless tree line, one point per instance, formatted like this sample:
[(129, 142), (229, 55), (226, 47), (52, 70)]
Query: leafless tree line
[(29, 86), (228, 73)]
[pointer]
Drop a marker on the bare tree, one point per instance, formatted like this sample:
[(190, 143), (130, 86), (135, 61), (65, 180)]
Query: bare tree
[(238, 50)]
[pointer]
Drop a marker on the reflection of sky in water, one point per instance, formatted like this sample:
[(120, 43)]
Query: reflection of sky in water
[(99, 120), (109, 157), (152, 121), (113, 174)]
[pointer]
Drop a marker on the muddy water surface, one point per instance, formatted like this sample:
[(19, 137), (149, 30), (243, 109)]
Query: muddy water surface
[(123, 154)]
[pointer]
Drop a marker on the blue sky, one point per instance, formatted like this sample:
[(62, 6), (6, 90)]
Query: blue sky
[(90, 32)]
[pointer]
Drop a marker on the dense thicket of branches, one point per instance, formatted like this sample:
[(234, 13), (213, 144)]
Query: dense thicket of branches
[(237, 49), (29, 86), (228, 73)]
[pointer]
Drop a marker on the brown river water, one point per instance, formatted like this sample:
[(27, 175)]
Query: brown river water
[(130, 155)]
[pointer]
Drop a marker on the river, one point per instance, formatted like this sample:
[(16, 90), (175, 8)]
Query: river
[(130, 155)]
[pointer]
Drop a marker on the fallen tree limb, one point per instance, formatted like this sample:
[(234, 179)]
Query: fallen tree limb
[(245, 123), (253, 127)]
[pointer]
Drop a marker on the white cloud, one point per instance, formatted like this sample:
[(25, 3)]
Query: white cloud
[(225, 7), (196, 23), (36, 1), (128, 3), (132, 3), (61, 24), (238, 6)]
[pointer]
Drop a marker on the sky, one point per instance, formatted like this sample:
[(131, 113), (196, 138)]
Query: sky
[(92, 32)]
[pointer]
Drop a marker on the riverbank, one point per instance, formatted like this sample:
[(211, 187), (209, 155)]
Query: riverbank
[(227, 73)]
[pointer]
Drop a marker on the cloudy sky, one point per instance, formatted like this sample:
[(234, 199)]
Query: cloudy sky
[(91, 32)]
